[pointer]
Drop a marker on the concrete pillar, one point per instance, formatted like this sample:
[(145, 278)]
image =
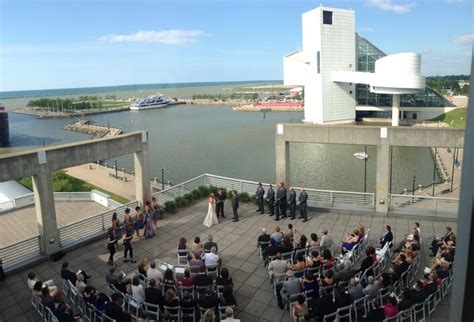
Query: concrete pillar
[(395, 109), (282, 164), (45, 211), (383, 177), (142, 172)]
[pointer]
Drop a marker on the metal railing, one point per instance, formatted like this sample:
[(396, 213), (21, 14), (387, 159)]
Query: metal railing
[(21, 253), (72, 196), (344, 200), (91, 227), (180, 189), (424, 206)]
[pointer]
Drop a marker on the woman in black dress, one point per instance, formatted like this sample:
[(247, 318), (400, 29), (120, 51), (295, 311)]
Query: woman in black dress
[(111, 244)]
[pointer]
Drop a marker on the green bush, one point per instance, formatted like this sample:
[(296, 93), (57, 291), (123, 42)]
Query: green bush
[(189, 197), (196, 194), (170, 207), (180, 202), (244, 197), (229, 194), (213, 189), (253, 199), (203, 191)]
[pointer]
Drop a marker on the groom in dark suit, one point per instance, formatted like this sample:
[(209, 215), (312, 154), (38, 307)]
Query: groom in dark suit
[(235, 205), (220, 196)]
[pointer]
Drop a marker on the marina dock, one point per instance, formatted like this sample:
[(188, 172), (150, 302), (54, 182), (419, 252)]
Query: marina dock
[(99, 131)]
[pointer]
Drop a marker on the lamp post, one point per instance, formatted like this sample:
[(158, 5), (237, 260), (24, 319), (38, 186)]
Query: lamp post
[(413, 182), (162, 179), (365, 169), (434, 172)]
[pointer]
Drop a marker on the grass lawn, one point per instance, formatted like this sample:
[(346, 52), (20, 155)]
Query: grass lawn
[(454, 118), (62, 182)]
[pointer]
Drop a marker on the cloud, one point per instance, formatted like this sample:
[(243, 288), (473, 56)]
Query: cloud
[(168, 37), (366, 29), (387, 5), (467, 40)]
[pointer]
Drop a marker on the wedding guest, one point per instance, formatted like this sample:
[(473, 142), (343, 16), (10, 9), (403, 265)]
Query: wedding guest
[(287, 245), (210, 243), (326, 240), (197, 246), (224, 278), (154, 273), (302, 202), (259, 197), (169, 280), (314, 242), (138, 293), (387, 236), (235, 206), (271, 200), (143, 266), (111, 245), (211, 259), (277, 235), (186, 280), (292, 203), (127, 243), (282, 198), (138, 220)]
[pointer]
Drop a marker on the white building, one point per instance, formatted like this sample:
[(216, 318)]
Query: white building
[(346, 77)]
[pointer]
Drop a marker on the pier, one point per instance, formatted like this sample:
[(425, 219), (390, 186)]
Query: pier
[(99, 131)]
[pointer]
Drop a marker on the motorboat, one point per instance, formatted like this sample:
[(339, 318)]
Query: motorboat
[(154, 101), (361, 155)]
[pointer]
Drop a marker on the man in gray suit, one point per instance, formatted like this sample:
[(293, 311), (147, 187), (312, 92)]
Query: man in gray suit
[(302, 199), (290, 287), (271, 200), (282, 198), (235, 205), (292, 203), (259, 196)]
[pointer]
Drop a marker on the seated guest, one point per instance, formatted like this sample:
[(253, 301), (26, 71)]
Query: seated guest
[(278, 266), (327, 257), (101, 302), (227, 297), (299, 309), (111, 278), (361, 230), (187, 301), (171, 301), (46, 295), (391, 309), (342, 298), (197, 246), (209, 316), (277, 235), (273, 249), (154, 295), (302, 242), (138, 293), (314, 242), (430, 282), (224, 278), (406, 301), (143, 266), (368, 261), (326, 240), (376, 312), (195, 263), (355, 290), (287, 245), (313, 261), (89, 294), (209, 300), (210, 243), (323, 306), (372, 287), (420, 293), (122, 284), (183, 248), (290, 287), (351, 240), (60, 309), (188, 305), (114, 310), (80, 285), (436, 243), (300, 263), (169, 280), (229, 315), (328, 279), (401, 267), (310, 284), (33, 278), (202, 279), (186, 280), (346, 272), (290, 232), (154, 273), (67, 274), (211, 259), (263, 238), (387, 236)]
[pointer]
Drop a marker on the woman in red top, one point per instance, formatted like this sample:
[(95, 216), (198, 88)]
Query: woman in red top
[(186, 280), (391, 309)]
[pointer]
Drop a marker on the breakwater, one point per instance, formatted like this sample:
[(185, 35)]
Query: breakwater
[(86, 126)]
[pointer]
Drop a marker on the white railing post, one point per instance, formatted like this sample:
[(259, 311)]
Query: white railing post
[(331, 200), (435, 205), (103, 224), (241, 186), (206, 180)]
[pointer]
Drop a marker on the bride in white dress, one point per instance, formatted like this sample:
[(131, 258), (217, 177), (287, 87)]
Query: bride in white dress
[(211, 218)]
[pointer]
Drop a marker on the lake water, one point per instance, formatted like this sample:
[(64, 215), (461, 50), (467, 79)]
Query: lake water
[(188, 140)]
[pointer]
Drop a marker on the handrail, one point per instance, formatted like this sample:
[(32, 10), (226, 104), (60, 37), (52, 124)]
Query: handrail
[(423, 197)]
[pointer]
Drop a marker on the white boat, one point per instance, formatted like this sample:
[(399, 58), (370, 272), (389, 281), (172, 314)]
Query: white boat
[(154, 101), (361, 155)]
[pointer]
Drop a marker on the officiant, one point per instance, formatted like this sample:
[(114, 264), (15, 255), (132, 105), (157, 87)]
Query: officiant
[(220, 196)]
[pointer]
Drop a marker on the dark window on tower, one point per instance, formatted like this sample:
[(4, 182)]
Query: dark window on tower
[(327, 17)]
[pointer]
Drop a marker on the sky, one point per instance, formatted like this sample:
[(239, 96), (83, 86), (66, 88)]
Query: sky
[(85, 43)]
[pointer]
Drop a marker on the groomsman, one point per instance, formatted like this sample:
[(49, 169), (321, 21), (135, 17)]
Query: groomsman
[(302, 199), (271, 200), (259, 196), (235, 205), (292, 203), (220, 196), (277, 208), (282, 198)]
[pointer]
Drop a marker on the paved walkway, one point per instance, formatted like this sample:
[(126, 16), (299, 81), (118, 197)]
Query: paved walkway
[(21, 223), (237, 246)]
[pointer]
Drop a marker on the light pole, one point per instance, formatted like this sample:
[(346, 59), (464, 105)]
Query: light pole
[(365, 169), (162, 179), (434, 172), (413, 181)]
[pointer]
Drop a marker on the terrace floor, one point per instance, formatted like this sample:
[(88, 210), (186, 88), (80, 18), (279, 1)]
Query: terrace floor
[(21, 223), (237, 247)]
